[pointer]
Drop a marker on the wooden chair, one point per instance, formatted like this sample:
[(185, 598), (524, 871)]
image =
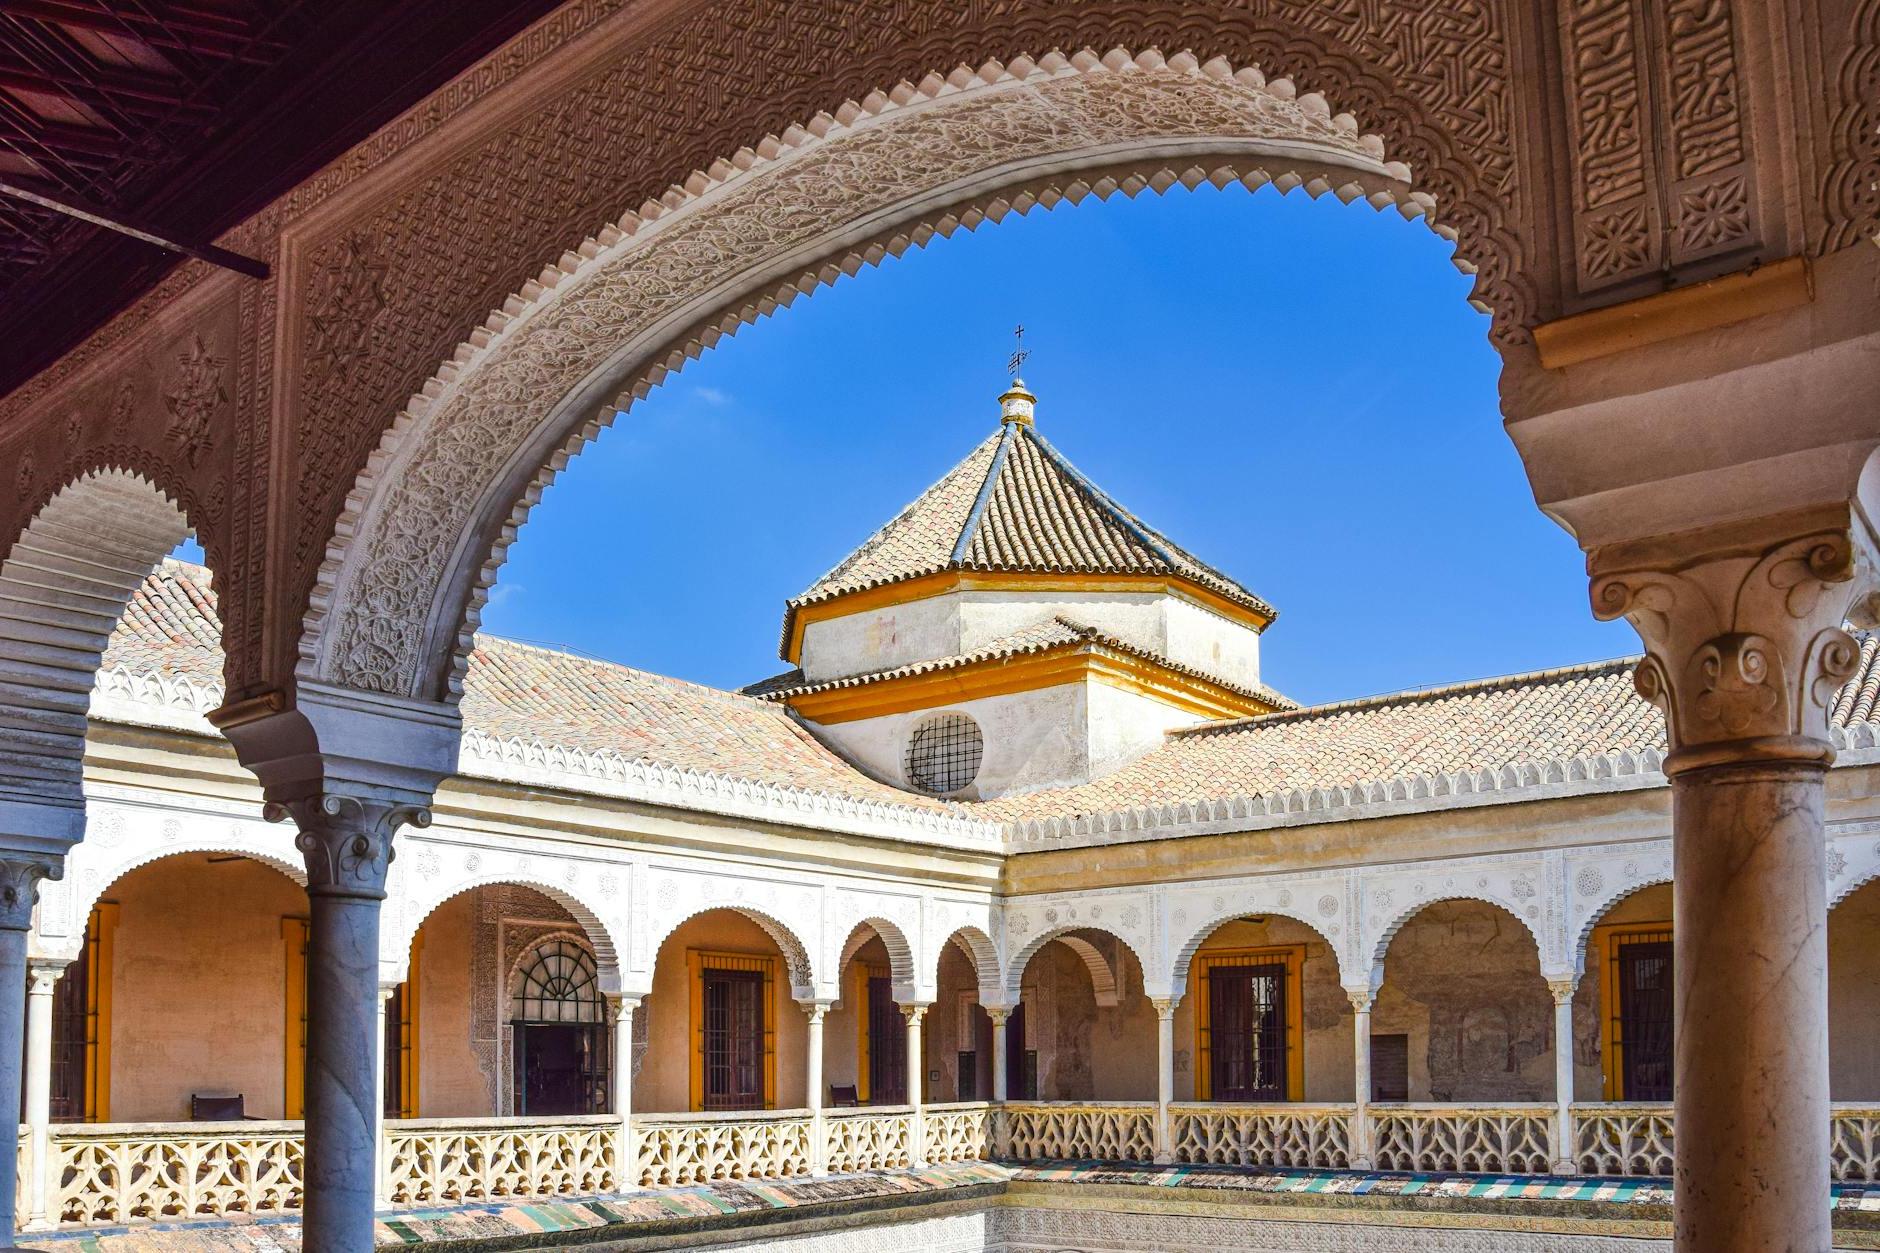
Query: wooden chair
[(843, 1097)]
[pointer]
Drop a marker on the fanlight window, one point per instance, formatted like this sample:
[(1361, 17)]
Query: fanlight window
[(944, 753), (558, 982)]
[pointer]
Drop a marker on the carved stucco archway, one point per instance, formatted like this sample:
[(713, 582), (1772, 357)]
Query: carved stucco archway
[(1380, 946), (63, 587), (408, 908), (984, 956), (798, 965), (1183, 957), (1015, 973), (902, 965), (432, 513)]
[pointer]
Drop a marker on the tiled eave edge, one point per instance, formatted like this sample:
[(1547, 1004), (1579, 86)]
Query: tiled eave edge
[(602, 773), (1514, 783), (179, 704)]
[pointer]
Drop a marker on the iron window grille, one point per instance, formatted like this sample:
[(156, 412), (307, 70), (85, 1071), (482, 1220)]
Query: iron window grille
[(558, 983), (944, 753)]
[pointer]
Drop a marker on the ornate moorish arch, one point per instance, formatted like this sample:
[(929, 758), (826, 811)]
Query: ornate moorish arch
[(1183, 956), (431, 515), (407, 910), (903, 968), (1380, 945), (1015, 973), (63, 587), (797, 962)]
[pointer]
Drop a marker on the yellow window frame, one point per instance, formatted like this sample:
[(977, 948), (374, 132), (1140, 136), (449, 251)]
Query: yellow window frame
[(408, 1005), (294, 933), (1293, 957), (1608, 939), (100, 960), (864, 1035), (697, 962)]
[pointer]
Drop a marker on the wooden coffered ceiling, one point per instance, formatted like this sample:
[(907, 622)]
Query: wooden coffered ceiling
[(182, 117)]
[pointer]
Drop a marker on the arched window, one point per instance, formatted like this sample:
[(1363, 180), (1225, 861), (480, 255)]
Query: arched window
[(558, 982), (563, 1056)]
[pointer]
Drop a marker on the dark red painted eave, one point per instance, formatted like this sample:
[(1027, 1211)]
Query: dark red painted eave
[(396, 53)]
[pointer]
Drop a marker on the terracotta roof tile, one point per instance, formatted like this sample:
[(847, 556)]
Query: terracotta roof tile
[(1015, 504)]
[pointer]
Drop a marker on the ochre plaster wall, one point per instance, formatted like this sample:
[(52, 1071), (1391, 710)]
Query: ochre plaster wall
[(1854, 996), (199, 986), (1462, 980), (957, 1024), (1326, 1013), (1645, 907), (663, 1084), (451, 1083), (842, 1025)]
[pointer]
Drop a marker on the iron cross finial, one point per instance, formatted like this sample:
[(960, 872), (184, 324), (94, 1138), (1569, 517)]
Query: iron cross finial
[(1019, 354)]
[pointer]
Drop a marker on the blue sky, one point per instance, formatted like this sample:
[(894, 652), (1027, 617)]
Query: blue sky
[(1295, 390)]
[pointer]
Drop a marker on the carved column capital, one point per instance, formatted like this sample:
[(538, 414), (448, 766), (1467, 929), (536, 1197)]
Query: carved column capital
[(914, 1014), (1000, 1015), (1563, 990), (43, 975), (347, 840), (20, 877), (1165, 1006), (814, 1011), (1361, 999), (1742, 631)]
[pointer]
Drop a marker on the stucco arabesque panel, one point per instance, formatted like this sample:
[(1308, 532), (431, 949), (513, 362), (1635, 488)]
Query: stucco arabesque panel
[(728, 246)]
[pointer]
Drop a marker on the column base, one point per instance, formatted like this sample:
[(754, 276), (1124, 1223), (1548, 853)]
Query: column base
[(1565, 1166), (1363, 1163), (1164, 1159)]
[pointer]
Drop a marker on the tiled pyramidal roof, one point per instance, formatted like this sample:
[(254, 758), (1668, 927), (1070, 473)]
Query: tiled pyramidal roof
[(517, 691), (1016, 504)]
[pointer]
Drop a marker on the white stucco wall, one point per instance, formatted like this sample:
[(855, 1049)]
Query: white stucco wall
[(1124, 725), (962, 622), (881, 639), (1033, 740)]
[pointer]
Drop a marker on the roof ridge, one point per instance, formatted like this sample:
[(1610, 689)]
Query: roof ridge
[(1412, 695), (983, 498)]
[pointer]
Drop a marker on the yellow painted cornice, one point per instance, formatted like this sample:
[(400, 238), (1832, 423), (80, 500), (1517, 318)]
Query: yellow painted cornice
[(1001, 676), (930, 585)]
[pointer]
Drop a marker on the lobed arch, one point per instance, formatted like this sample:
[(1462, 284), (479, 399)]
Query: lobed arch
[(64, 586), (1381, 945), (902, 966), (431, 515), (1015, 974), (403, 922), (1184, 956), (1103, 981), (1606, 904), (984, 955), (796, 954), (89, 887)]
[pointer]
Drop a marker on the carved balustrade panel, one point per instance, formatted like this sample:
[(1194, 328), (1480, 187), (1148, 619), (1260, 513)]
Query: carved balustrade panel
[(1262, 1135), (870, 1139), (1488, 1139), (1854, 1144), (1096, 1131), (1623, 1138), (116, 1173), (435, 1160), (958, 1132), (679, 1149)]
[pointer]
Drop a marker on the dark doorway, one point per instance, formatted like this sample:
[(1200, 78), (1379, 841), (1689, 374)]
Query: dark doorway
[(558, 1070), (1247, 1032), (1021, 1063), (887, 1046), (1644, 1031)]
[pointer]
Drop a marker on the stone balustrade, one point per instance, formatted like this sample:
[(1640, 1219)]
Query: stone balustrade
[(1262, 1135), (119, 1173), (1487, 1139), (677, 1149), (1077, 1131), (441, 1160)]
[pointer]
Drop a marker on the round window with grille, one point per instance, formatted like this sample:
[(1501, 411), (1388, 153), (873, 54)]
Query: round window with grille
[(944, 752)]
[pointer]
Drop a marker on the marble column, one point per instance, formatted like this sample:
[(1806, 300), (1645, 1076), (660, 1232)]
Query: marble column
[(1566, 1151), (347, 843), (19, 890), (42, 980), (999, 1078), (1164, 1077), (916, 1015), (1744, 648), (1361, 999), (813, 1082), (626, 1156)]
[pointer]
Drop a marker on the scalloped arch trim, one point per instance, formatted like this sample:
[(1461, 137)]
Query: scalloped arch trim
[(1381, 946), (1015, 975), (1063, 128), (395, 941)]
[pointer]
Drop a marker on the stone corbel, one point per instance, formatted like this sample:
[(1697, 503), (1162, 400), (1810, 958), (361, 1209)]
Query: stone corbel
[(1742, 627)]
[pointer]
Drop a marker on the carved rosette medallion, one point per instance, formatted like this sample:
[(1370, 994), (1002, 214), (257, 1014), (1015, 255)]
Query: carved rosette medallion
[(1744, 647)]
